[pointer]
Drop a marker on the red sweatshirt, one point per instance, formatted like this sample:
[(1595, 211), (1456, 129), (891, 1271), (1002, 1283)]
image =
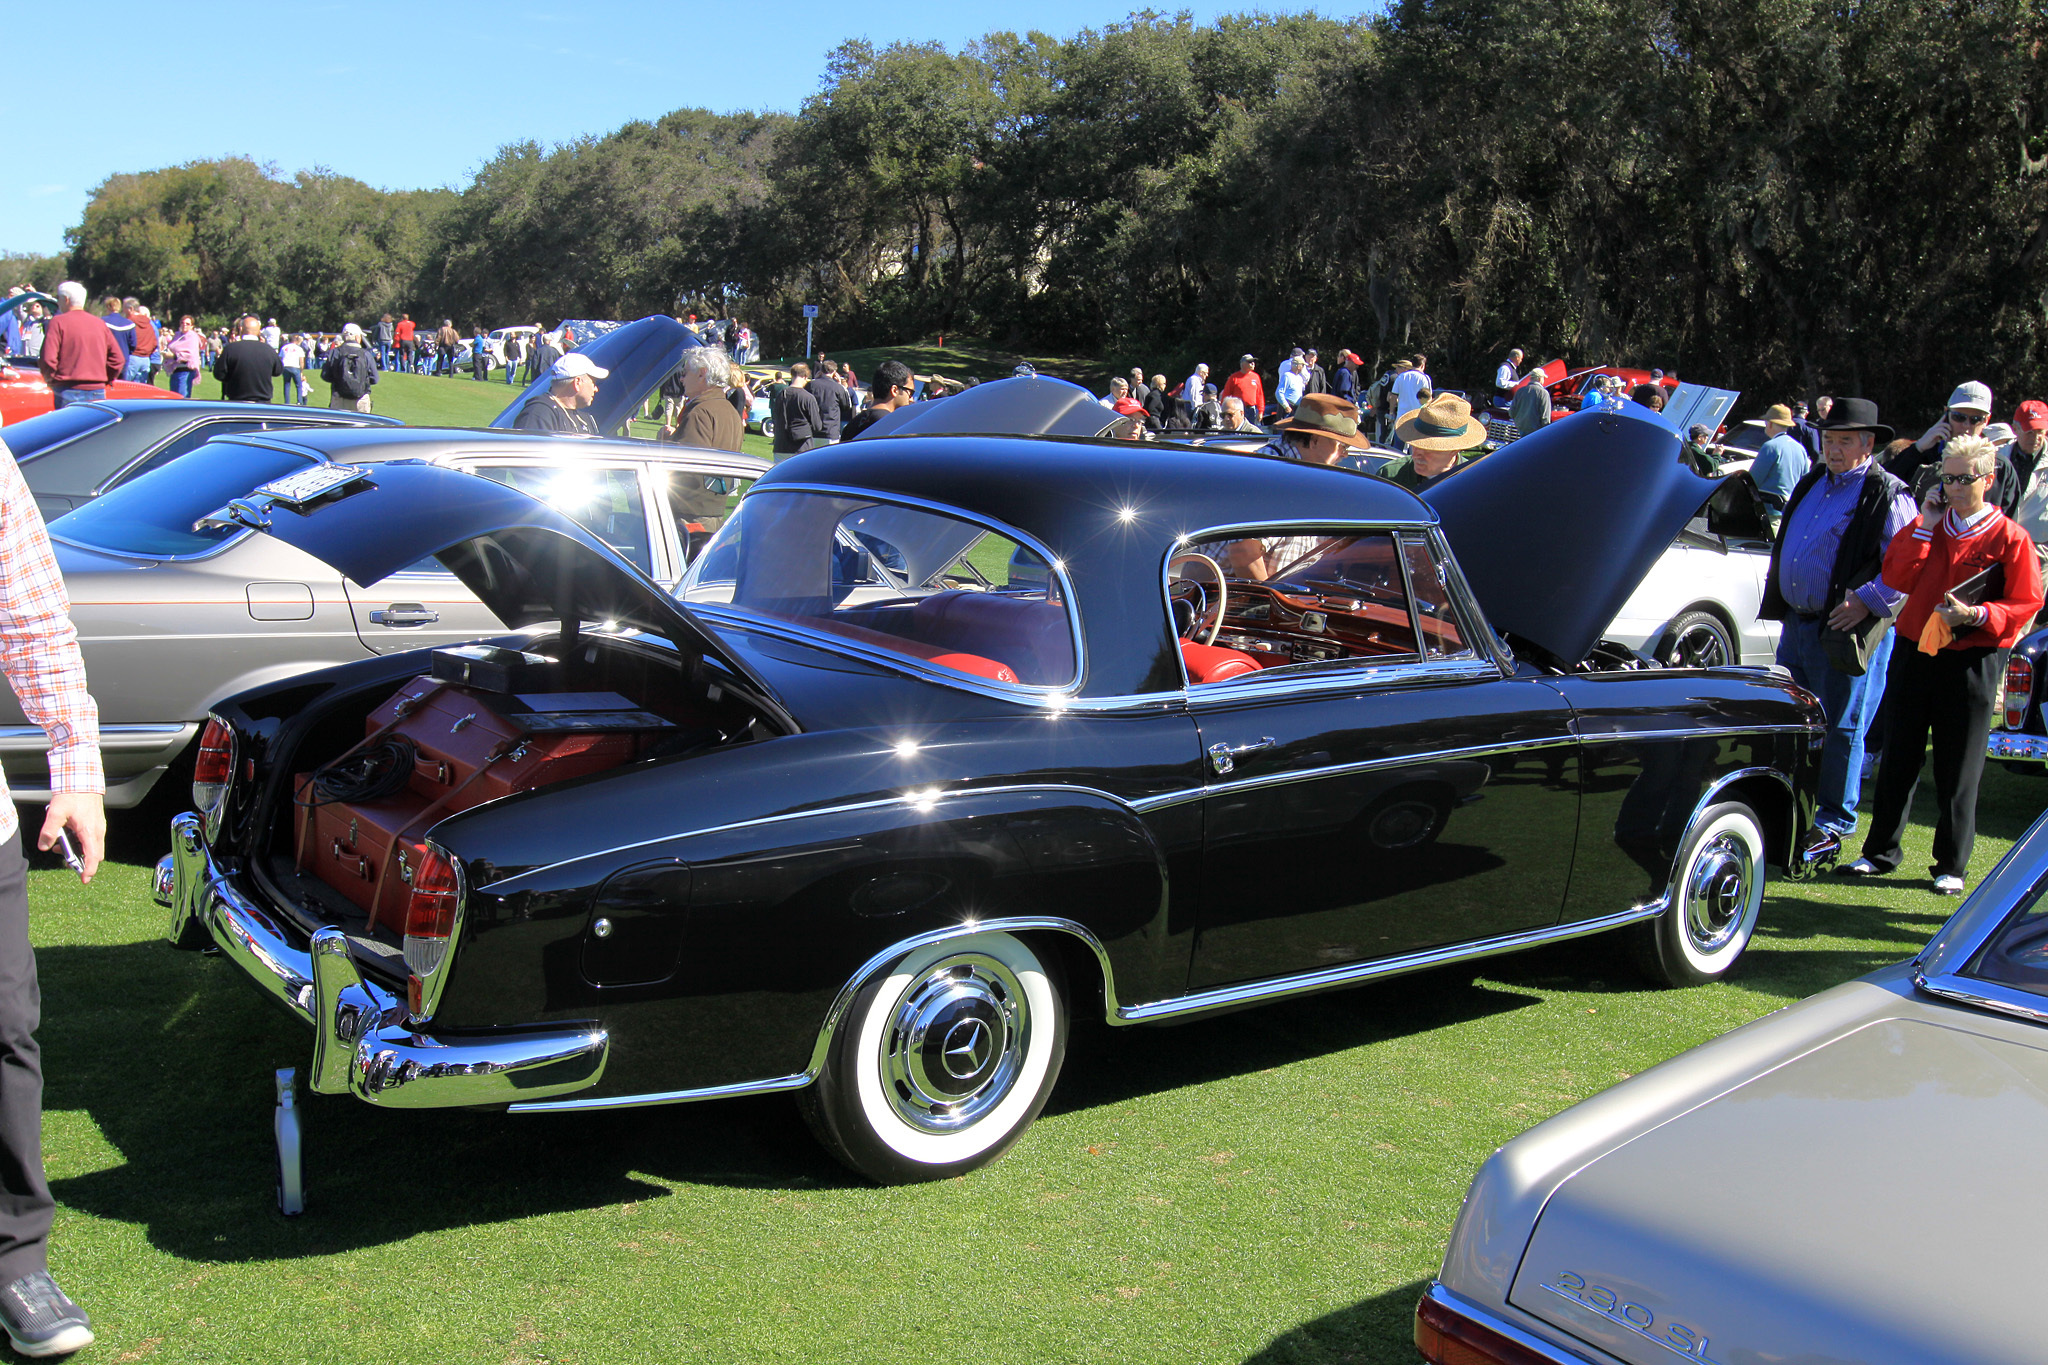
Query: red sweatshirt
[(1925, 564), (80, 350)]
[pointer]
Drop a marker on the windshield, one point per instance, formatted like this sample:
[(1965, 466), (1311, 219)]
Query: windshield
[(52, 429), (923, 585), (154, 515)]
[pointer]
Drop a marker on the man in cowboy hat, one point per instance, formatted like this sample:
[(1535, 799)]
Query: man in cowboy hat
[(1824, 577), (1437, 435), (1320, 430)]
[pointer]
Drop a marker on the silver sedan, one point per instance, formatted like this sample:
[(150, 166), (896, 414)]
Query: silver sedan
[(175, 612)]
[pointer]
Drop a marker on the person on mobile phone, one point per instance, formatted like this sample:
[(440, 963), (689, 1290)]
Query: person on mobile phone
[(39, 651), (1968, 413), (1949, 684)]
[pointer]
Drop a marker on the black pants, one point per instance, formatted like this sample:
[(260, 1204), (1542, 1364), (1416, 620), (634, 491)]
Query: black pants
[(1947, 695), (25, 1203)]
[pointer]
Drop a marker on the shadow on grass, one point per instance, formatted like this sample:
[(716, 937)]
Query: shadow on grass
[(1375, 1331)]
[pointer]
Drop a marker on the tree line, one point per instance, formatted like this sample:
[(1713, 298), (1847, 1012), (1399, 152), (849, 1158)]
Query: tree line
[(1785, 196)]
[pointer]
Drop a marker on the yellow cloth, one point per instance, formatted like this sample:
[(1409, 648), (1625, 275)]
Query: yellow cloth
[(1935, 636)]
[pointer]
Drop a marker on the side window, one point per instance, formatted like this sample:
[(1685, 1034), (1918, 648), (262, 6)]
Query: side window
[(186, 442), (700, 504), (606, 502), (1443, 634), (1290, 597)]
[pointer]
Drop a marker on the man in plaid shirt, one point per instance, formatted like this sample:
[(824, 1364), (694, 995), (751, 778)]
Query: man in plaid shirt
[(39, 652)]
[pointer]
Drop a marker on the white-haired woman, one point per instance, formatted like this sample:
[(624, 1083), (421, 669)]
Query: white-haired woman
[(707, 419)]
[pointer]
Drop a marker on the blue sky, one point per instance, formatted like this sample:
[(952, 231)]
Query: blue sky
[(410, 95)]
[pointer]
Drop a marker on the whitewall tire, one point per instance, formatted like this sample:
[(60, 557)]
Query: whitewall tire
[(1716, 891)]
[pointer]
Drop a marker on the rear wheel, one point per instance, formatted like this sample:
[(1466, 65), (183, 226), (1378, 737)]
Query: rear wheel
[(1715, 897), (943, 1061), (1698, 639)]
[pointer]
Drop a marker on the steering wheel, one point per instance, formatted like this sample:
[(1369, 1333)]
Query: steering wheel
[(1183, 589)]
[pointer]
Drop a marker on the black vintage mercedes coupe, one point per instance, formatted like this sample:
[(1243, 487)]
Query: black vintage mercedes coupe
[(947, 740)]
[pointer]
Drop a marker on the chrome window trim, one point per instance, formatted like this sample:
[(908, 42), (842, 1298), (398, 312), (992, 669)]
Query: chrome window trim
[(76, 436), (1995, 996), (926, 799), (1028, 694), (1339, 675)]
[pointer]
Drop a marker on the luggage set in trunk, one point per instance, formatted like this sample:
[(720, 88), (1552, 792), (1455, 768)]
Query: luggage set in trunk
[(482, 726)]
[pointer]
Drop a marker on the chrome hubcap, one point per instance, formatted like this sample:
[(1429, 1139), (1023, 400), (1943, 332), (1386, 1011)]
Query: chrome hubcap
[(954, 1043), (1717, 892), (1699, 646)]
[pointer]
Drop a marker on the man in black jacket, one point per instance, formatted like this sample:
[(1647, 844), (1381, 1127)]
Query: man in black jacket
[(349, 372), (796, 413), (565, 407), (247, 365), (835, 404), (1824, 577), (1969, 412)]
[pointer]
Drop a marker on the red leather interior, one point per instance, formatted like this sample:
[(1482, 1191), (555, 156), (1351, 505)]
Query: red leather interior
[(1030, 633), (944, 657), (1214, 663)]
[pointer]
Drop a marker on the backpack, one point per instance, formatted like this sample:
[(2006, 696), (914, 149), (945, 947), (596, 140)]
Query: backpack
[(356, 373)]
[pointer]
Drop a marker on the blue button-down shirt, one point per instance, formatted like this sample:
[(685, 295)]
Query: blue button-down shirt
[(1813, 534)]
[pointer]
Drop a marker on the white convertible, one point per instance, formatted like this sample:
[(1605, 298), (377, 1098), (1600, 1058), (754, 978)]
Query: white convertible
[(1698, 606)]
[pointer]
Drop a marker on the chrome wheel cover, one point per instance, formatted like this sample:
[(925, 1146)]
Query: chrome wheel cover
[(1698, 646), (1718, 889), (954, 1043)]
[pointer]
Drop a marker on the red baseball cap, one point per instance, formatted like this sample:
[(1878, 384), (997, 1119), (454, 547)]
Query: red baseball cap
[(2031, 415)]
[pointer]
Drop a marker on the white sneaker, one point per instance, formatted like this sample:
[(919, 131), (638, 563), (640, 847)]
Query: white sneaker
[(1862, 867), (1946, 885)]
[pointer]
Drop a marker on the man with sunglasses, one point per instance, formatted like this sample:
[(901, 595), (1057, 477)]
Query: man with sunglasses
[(1969, 412), (1946, 686), (894, 387), (1824, 577)]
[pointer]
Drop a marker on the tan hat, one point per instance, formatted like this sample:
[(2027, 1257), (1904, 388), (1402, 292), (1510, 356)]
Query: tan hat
[(1325, 414), (1444, 423), (1779, 413)]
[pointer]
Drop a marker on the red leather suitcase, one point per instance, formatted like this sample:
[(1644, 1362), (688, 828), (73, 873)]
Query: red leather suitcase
[(470, 748)]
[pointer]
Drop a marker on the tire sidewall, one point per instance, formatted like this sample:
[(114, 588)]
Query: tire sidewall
[(1684, 959), (866, 1130), (1731, 645)]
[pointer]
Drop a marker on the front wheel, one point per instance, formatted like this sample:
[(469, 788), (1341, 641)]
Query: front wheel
[(1715, 897), (942, 1062), (1699, 639)]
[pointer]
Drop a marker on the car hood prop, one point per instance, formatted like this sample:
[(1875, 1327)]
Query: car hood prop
[(639, 355), (524, 560), (1556, 530)]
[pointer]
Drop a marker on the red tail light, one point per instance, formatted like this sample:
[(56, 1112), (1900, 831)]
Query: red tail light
[(1447, 1337), (2019, 690), (430, 911), (215, 766)]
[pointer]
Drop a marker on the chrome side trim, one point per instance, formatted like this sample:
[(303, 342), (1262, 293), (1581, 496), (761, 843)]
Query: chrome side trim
[(920, 800), (841, 1003), (1339, 675), (1699, 732), (1985, 995), (1351, 974), (1362, 765), (1542, 1348), (113, 738)]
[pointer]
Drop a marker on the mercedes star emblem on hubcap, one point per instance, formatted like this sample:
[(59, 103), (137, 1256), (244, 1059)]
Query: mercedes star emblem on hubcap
[(966, 1048)]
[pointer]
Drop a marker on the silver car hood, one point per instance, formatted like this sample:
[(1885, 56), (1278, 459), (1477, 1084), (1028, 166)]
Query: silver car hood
[(1870, 1200)]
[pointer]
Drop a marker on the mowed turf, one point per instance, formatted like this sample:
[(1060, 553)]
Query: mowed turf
[(1273, 1186)]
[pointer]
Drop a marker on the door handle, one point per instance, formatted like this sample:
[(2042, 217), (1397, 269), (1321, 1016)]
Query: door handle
[(1223, 757), (399, 615)]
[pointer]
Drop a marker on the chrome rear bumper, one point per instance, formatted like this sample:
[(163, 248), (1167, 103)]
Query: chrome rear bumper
[(2012, 744), (361, 1041)]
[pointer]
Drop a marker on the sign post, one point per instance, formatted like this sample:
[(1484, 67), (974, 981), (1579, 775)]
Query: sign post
[(810, 316)]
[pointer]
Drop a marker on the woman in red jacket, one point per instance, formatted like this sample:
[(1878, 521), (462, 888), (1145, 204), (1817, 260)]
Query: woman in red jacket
[(1946, 686)]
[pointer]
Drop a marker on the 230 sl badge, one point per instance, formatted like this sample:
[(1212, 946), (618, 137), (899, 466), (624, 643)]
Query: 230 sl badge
[(1674, 1337)]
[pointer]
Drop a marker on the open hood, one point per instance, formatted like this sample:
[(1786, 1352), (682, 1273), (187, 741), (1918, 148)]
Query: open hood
[(524, 560), (1556, 530), (1033, 406), (639, 355)]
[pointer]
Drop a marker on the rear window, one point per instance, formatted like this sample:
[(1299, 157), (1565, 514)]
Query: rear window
[(936, 589), (52, 429), (154, 515), (2017, 955)]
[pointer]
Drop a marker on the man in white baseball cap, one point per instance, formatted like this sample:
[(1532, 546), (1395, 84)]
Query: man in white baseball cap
[(1969, 412), (572, 388)]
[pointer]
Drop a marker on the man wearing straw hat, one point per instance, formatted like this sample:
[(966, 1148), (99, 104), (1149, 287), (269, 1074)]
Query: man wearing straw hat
[(1437, 435)]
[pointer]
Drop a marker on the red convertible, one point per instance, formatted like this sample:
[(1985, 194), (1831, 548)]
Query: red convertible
[(23, 394)]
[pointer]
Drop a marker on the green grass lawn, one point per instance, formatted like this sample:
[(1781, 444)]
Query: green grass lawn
[(971, 358), (1274, 1186)]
